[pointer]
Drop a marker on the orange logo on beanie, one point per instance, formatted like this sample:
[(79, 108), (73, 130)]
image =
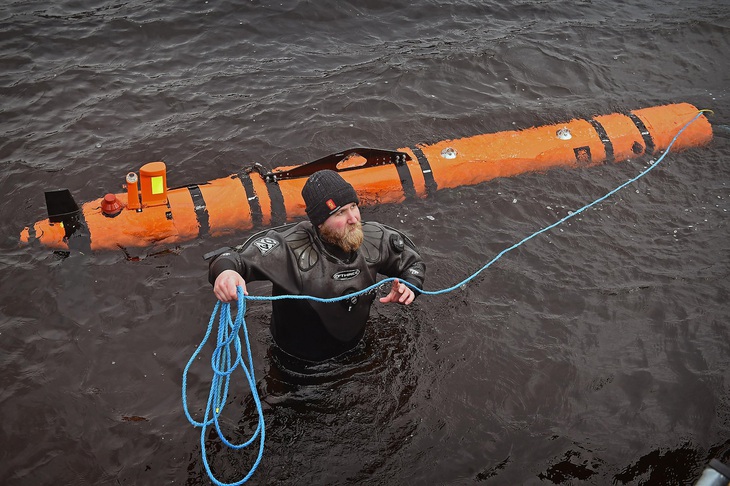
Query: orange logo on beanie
[(331, 204)]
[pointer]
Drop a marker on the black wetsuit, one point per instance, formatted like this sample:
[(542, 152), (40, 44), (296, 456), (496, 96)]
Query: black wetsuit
[(298, 262)]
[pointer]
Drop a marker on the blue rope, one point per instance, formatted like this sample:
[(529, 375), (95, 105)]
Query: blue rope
[(224, 363), (228, 334)]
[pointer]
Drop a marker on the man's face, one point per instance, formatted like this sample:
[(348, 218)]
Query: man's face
[(343, 228)]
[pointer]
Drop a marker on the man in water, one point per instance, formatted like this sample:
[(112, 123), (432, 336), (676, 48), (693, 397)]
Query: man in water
[(330, 255)]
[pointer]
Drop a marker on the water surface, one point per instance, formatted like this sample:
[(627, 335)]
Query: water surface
[(597, 353)]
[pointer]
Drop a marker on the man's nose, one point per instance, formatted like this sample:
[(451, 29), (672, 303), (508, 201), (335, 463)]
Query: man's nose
[(352, 216)]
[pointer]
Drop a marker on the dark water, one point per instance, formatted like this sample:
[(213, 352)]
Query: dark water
[(595, 354)]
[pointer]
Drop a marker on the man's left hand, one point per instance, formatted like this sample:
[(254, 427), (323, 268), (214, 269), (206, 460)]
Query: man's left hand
[(399, 293)]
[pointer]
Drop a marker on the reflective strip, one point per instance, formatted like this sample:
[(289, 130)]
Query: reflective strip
[(157, 186)]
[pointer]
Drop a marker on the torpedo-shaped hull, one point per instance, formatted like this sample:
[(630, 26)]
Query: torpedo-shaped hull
[(149, 213)]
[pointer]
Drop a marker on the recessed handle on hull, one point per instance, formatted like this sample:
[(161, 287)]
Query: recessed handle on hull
[(350, 159)]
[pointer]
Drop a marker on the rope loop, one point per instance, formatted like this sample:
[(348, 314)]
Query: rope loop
[(227, 357)]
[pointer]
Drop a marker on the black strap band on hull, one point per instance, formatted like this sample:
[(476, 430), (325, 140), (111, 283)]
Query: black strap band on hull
[(431, 185), (607, 144), (406, 180), (201, 211), (649, 145), (253, 200), (278, 209)]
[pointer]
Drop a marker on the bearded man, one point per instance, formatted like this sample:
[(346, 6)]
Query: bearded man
[(331, 255)]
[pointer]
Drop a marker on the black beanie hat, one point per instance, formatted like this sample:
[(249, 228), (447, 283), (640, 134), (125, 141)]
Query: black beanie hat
[(324, 193)]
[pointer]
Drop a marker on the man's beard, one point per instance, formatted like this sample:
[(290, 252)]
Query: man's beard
[(348, 238)]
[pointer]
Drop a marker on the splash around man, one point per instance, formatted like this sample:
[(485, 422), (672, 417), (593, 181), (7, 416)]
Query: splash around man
[(332, 254)]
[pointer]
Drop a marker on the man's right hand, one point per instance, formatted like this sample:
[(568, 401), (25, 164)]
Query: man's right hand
[(225, 286)]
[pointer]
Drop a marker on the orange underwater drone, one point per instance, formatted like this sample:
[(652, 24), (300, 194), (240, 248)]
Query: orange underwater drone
[(150, 213)]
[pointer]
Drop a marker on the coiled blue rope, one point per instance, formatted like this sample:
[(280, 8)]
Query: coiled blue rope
[(224, 362)]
